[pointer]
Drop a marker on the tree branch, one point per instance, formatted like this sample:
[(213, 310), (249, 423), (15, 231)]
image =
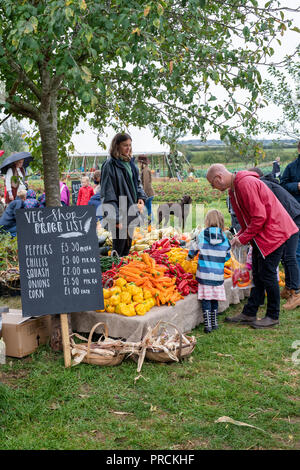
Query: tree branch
[(23, 76), (23, 108)]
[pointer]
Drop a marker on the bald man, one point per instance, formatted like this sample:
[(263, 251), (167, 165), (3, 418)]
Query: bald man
[(267, 226)]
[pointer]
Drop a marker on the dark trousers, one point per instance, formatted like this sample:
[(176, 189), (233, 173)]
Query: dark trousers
[(209, 305), (291, 268), (264, 272), (122, 245)]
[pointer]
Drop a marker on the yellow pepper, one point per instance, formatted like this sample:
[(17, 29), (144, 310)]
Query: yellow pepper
[(127, 310), (138, 298), (115, 299), (147, 294), (133, 289), (116, 290), (151, 302), (125, 297), (106, 293), (141, 309), (110, 309), (120, 282)]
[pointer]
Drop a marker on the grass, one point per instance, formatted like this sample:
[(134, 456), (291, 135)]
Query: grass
[(237, 371)]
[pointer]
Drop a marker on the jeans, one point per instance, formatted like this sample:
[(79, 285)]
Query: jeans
[(148, 204), (264, 272), (291, 267), (298, 254), (209, 305)]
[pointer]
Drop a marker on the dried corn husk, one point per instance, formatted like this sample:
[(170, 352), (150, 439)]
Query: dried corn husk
[(165, 347), (107, 352)]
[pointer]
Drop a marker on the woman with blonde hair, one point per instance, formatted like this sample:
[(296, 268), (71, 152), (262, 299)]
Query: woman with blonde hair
[(214, 249), (121, 188)]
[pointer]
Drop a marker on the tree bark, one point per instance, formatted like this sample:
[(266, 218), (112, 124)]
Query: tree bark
[(48, 131)]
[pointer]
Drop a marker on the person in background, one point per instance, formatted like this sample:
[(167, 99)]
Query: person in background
[(42, 200), (146, 179), (290, 180), (120, 182), (85, 192), (64, 193), (31, 200), (8, 222), (15, 180), (2, 203), (214, 249), (235, 226), (96, 201), (276, 168), (97, 177), (267, 225)]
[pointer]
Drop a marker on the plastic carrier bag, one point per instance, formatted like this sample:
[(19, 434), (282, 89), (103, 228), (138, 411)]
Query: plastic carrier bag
[(241, 275)]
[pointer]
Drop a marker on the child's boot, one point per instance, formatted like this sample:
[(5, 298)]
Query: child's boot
[(207, 321), (214, 319)]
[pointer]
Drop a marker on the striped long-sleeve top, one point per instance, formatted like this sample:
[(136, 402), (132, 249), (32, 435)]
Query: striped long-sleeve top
[(214, 249)]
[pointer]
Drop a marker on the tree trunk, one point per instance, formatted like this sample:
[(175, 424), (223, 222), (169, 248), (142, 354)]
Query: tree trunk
[(48, 131)]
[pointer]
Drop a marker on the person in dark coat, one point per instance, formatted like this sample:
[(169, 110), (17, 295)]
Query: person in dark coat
[(122, 195), (291, 291), (96, 202), (276, 168), (8, 222), (235, 226), (290, 180)]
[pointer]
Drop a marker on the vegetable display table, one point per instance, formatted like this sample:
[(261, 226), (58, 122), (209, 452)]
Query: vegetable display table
[(186, 315)]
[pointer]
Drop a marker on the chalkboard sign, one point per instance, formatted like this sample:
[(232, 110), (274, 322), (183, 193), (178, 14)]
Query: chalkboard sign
[(76, 185), (59, 260)]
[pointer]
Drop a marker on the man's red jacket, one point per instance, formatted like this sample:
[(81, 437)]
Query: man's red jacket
[(261, 216)]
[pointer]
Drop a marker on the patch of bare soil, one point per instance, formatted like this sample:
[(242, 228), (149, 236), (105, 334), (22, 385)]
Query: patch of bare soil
[(11, 378)]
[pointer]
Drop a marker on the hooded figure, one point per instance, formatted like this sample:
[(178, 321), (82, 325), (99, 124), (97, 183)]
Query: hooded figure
[(214, 249), (42, 200), (31, 201)]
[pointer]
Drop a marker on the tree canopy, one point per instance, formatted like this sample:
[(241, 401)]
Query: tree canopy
[(131, 62), (284, 91)]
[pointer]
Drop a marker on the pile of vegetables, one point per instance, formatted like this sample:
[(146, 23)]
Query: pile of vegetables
[(141, 284), (185, 282)]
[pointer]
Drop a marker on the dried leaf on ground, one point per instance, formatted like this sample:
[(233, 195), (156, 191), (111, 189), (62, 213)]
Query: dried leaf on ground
[(227, 419)]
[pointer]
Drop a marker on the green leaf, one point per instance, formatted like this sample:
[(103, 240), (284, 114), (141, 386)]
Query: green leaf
[(156, 23)]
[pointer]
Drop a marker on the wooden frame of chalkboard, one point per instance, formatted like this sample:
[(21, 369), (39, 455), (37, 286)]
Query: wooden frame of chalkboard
[(59, 260)]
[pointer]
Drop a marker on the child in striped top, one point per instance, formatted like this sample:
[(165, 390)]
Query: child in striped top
[(214, 249)]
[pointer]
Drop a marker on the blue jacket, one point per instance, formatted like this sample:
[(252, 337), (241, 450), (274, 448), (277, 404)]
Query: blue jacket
[(291, 177), (96, 201), (214, 249), (8, 219)]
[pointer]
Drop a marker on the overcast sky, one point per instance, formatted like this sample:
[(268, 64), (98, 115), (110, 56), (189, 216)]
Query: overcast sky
[(143, 140)]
